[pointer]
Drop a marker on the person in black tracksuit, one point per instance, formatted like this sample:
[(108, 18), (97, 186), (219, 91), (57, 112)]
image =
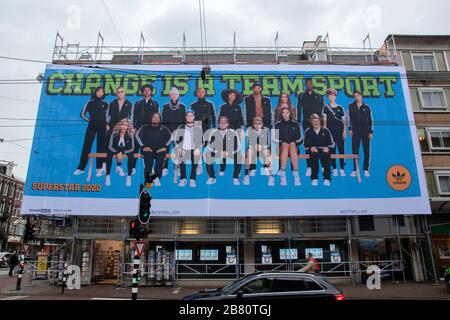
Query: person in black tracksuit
[(94, 112), (121, 143), (145, 108), (204, 111), (361, 130), (188, 143), (154, 140), (173, 115), (118, 109), (308, 103), (223, 143), (289, 138), (334, 119), (319, 142), (232, 109)]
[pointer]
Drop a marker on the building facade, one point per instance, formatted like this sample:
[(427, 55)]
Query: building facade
[(227, 248), (11, 193)]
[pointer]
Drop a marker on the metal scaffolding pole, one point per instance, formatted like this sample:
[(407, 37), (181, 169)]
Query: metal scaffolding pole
[(350, 253), (400, 249), (428, 231)]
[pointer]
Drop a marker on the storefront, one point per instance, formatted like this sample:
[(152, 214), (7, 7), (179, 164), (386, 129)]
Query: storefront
[(441, 243)]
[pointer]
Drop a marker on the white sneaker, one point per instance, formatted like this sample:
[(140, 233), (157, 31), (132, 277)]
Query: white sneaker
[(128, 182), (308, 172), (342, 172), (297, 181), (335, 173), (157, 183), (108, 180), (326, 183), (78, 172), (182, 183), (236, 182), (120, 172), (271, 182), (165, 172), (99, 173), (315, 183), (353, 174), (266, 171), (283, 181), (175, 174), (252, 173), (133, 172), (221, 173), (211, 181), (199, 170), (246, 180), (192, 183), (366, 173)]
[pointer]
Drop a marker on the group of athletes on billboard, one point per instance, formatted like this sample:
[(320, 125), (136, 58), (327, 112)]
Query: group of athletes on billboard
[(122, 130)]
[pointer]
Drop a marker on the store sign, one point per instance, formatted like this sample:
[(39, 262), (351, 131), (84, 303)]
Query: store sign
[(267, 258), (231, 259), (316, 252), (335, 257), (88, 157), (183, 255), (288, 254), (209, 255)]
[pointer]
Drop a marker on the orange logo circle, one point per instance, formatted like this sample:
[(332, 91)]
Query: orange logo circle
[(398, 177)]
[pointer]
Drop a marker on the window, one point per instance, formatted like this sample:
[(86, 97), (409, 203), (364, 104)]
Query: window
[(443, 182), (423, 61), (5, 190), (258, 286), (439, 138), (2, 207), (292, 284), (432, 98), (11, 191), (366, 223)]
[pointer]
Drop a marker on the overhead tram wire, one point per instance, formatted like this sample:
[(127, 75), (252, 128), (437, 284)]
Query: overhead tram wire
[(112, 21)]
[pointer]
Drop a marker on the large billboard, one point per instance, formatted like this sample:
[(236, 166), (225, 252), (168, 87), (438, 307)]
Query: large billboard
[(244, 140)]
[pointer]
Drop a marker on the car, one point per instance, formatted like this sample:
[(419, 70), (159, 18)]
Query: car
[(4, 256), (273, 285)]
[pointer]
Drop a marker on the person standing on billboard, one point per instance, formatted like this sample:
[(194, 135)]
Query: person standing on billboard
[(334, 118), (121, 144), (223, 143), (308, 103), (173, 115), (188, 143), (205, 116), (145, 108), (94, 112), (361, 130), (154, 140), (257, 105), (288, 136), (258, 144), (319, 143), (284, 101)]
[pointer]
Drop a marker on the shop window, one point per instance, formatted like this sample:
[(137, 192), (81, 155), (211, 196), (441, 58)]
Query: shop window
[(268, 226), (439, 139), (423, 61), (432, 98), (443, 182), (366, 223)]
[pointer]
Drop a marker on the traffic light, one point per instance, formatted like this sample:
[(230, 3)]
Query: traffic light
[(133, 229), (29, 232), (144, 207), (139, 275)]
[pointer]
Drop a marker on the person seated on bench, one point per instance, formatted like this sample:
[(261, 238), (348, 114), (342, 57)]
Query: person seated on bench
[(319, 142), (289, 138), (121, 143), (154, 140), (188, 143), (258, 146)]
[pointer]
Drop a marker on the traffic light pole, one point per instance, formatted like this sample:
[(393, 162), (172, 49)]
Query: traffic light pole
[(136, 265)]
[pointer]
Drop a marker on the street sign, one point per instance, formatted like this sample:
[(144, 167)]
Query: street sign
[(139, 247)]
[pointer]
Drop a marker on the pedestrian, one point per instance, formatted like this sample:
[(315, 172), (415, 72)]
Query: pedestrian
[(13, 261), (312, 266), (361, 130)]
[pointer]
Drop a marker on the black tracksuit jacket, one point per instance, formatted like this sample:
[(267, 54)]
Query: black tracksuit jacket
[(360, 119), (154, 137), (307, 104), (97, 109), (321, 139), (250, 110), (173, 115), (114, 146), (143, 112), (114, 115), (288, 131), (234, 114), (205, 112)]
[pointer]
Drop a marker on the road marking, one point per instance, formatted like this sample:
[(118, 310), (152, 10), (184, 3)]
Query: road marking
[(176, 290), (109, 299), (14, 298)]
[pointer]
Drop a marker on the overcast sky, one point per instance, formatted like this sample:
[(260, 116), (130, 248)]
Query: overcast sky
[(28, 29)]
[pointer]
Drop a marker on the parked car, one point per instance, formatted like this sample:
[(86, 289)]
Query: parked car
[(4, 256), (273, 285)]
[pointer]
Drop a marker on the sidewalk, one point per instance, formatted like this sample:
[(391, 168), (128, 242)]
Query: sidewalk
[(389, 290)]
